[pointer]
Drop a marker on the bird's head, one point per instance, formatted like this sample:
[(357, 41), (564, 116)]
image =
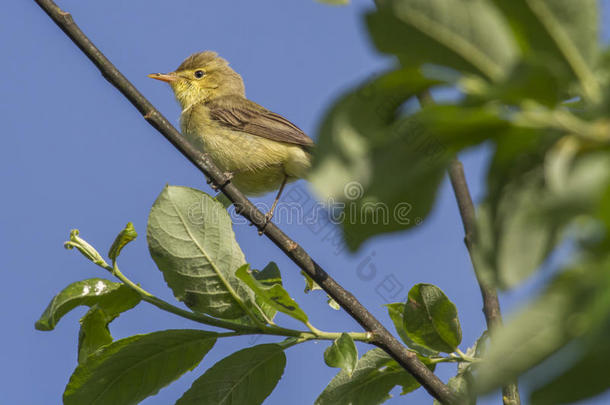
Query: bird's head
[(201, 77)]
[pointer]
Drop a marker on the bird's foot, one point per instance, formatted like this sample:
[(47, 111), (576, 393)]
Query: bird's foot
[(228, 176), (212, 184), (268, 217)]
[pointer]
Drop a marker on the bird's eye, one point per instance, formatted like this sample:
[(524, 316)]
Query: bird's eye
[(199, 74)]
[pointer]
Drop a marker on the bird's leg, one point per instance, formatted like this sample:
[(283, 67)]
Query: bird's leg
[(269, 214)]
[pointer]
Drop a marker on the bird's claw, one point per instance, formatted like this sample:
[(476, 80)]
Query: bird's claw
[(268, 217), (227, 175)]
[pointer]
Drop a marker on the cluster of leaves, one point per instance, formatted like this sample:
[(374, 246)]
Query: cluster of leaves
[(191, 240), (531, 79)]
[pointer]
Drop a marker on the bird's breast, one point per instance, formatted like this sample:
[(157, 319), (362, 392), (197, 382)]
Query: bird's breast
[(259, 164)]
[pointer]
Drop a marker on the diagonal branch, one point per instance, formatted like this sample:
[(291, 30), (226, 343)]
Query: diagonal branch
[(491, 304), (381, 337)]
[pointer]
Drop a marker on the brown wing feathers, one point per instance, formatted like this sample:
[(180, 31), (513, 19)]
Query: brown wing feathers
[(251, 118)]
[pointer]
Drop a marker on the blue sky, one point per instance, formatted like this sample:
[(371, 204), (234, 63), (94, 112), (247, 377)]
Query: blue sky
[(76, 154)]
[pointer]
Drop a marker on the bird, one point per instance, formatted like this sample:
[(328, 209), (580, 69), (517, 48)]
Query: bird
[(258, 150)]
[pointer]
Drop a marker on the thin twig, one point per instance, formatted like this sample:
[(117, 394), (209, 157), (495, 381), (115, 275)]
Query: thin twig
[(491, 304), (381, 337), (238, 328)]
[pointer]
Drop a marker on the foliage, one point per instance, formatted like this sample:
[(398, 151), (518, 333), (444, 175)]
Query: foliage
[(198, 254), (534, 87), (107, 369), (245, 377), (430, 319), (532, 82), (131, 369), (342, 354), (370, 382)]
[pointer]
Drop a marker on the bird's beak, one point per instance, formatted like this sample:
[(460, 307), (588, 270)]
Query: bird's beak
[(164, 77)]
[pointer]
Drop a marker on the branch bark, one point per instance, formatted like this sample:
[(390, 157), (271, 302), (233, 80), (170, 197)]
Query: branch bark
[(381, 337), (491, 304)]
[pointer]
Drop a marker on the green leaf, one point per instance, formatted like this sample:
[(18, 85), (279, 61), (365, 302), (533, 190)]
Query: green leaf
[(93, 333), (579, 187), (535, 78), (311, 285), (585, 378), (268, 276), (191, 240), (396, 311), (431, 320), (245, 377), (342, 353), (131, 369), (513, 237), (466, 35), (480, 346), (362, 145), (564, 30), (110, 296), (558, 162), (535, 190), (603, 211), (462, 385), (359, 148), (332, 303), (566, 310), (457, 127), (371, 382), (123, 238), (602, 72), (524, 236), (273, 295)]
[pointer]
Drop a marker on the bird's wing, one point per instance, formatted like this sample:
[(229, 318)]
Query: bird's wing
[(247, 116)]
